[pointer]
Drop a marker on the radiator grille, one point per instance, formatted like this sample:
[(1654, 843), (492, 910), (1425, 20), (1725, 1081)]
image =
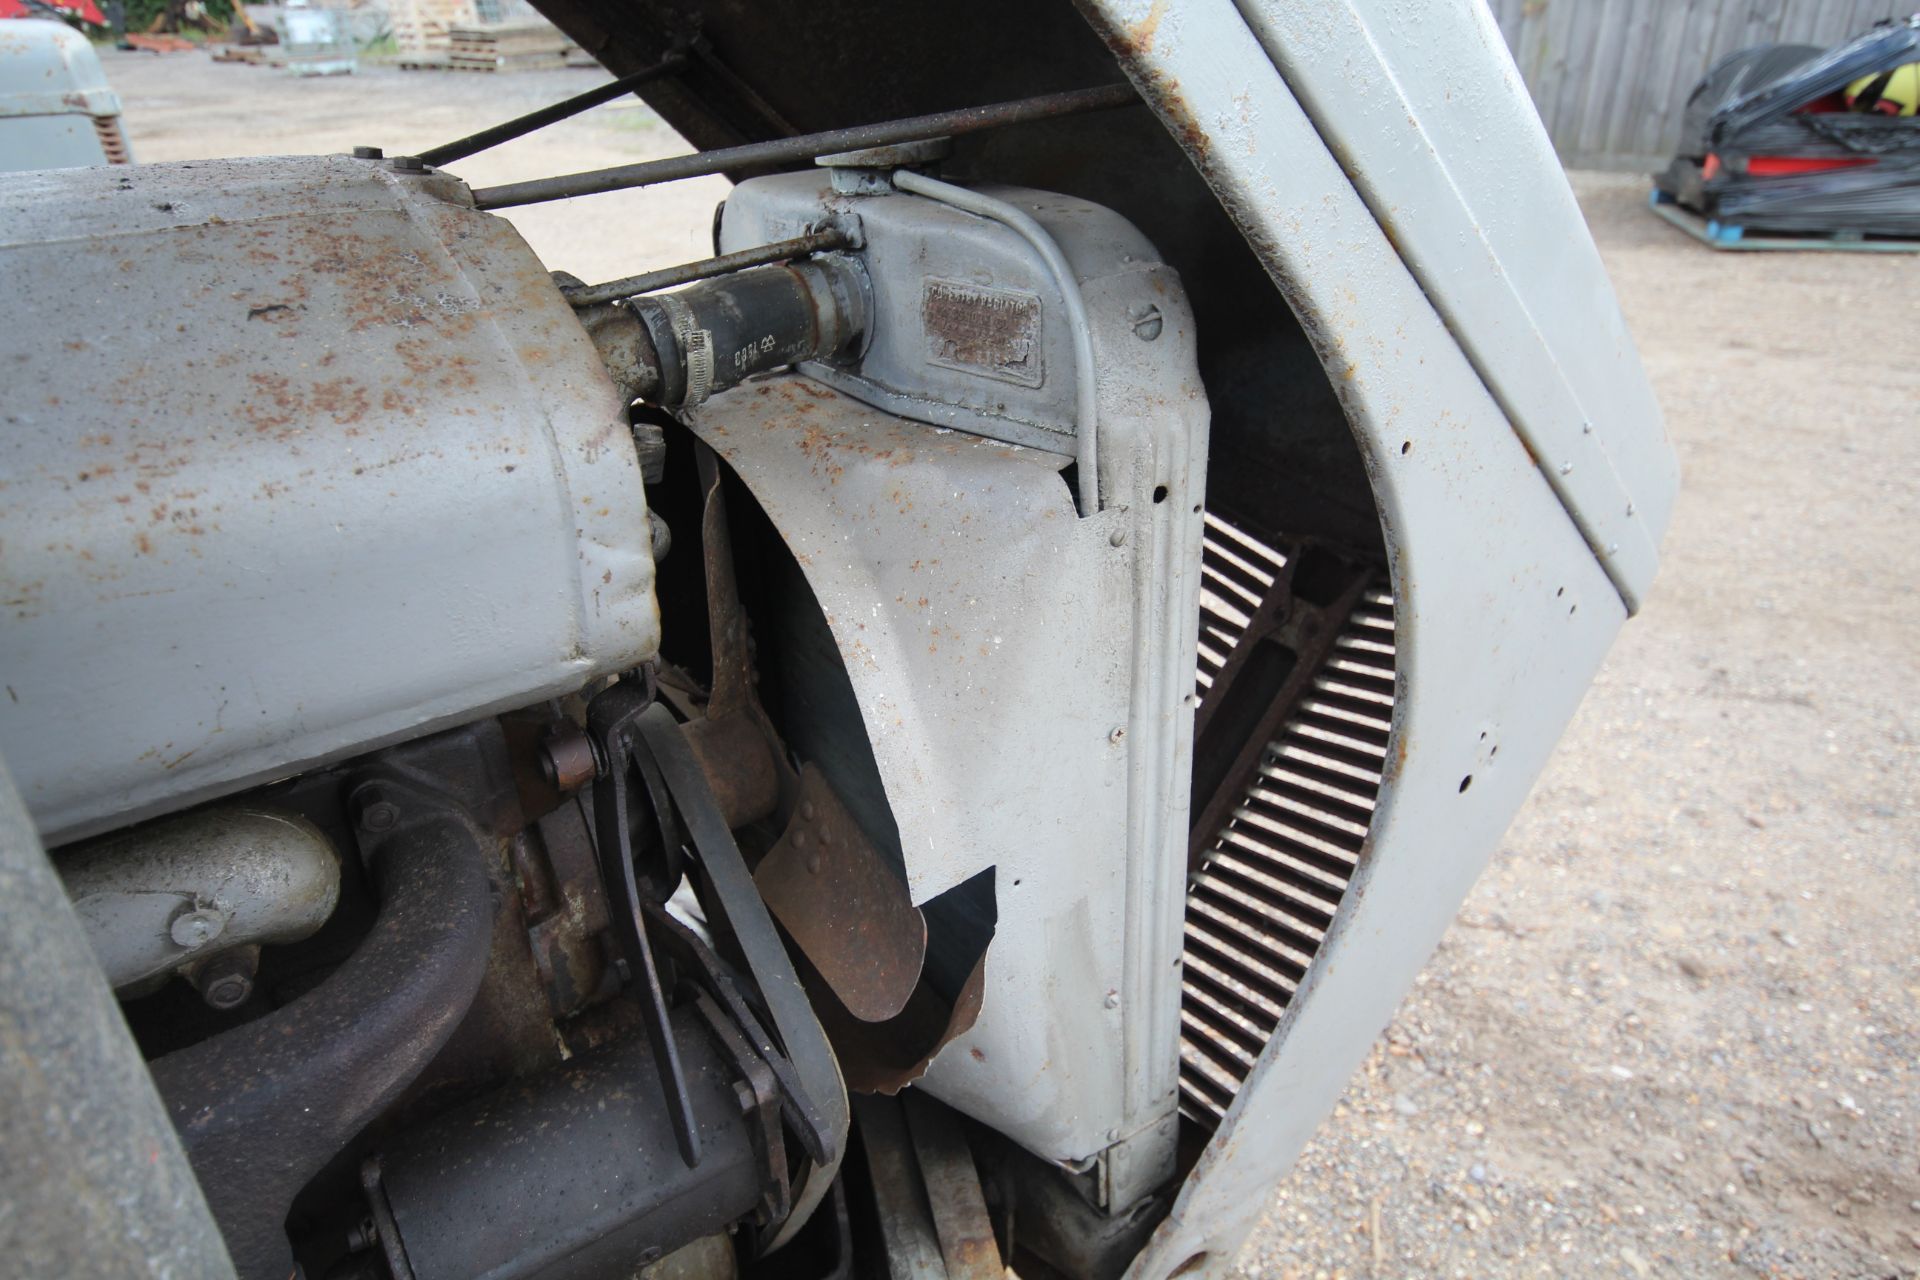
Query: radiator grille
[(1268, 884), (112, 141)]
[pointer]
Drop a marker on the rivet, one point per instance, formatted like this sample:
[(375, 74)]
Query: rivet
[(1117, 538), (826, 835), (814, 864), (801, 840), (807, 810)]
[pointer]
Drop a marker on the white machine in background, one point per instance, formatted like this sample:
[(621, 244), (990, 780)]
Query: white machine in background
[(56, 109)]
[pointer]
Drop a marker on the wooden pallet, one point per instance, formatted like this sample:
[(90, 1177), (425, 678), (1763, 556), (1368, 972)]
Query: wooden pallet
[(448, 62), (457, 61), (1730, 238)]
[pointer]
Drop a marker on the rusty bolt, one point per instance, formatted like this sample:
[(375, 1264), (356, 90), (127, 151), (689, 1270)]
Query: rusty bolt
[(368, 153), (567, 760), (379, 815), (226, 981)]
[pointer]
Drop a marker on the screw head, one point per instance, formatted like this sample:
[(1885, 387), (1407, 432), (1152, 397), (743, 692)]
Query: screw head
[(1147, 322), (381, 815), (196, 928), (1119, 732)]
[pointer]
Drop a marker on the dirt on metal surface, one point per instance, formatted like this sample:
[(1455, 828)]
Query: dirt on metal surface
[(1675, 1030)]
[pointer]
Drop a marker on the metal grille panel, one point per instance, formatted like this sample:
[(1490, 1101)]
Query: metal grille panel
[(112, 141), (1267, 887)]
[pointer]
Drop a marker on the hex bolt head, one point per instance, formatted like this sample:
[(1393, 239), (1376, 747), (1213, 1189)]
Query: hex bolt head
[(568, 760), (380, 815), (196, 928), (229, 991), (368, 153), (408, 164), (226, 981)]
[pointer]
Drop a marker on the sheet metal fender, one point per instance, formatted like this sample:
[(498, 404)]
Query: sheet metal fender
[(1503, 611), (1423, 109)]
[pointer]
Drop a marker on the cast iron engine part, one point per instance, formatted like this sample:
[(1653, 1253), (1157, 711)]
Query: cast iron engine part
[(261, 1108), (576, 1175)]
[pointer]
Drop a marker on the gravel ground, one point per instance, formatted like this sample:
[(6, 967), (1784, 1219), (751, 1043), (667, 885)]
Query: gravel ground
[(1677, 1027)]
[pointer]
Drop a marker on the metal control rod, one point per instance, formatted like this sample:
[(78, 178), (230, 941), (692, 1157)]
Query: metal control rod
[(519, 126), (592, 295), (806, 146)]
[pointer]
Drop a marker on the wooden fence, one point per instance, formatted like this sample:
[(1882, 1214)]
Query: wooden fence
[(1610, 77)]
